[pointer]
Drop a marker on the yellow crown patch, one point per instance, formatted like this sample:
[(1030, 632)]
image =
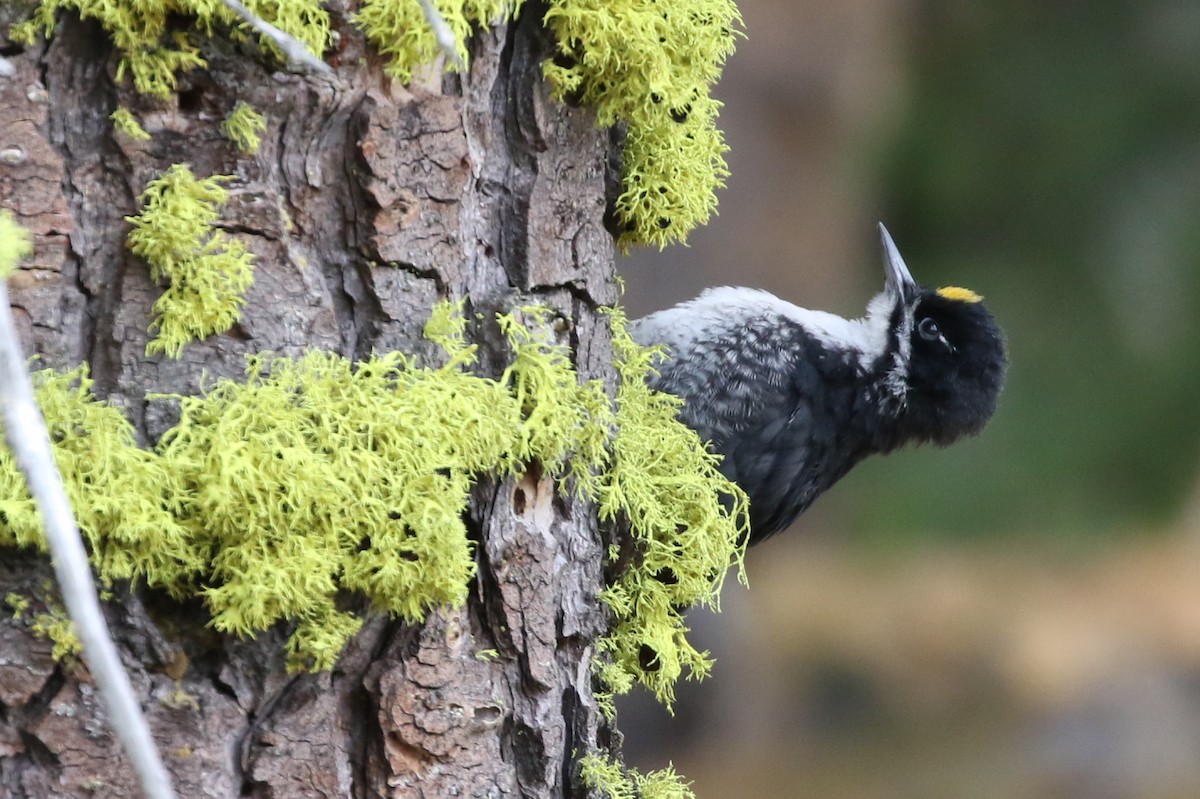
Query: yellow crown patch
[(960, 294)]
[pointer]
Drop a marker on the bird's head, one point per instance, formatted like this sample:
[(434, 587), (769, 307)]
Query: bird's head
[(946, 355)]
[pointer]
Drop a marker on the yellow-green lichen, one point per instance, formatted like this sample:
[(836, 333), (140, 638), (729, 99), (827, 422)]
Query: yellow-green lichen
[(399, 31), (611, 780), (689, 524), (244, 127), (127, 123), (207, 271), (271, 496), (153, 51), (56, 626), (651, 66), (19, 605), (125, 501), (15, 244), (338, 475), (53, 624), (566, 425), (316, 479)]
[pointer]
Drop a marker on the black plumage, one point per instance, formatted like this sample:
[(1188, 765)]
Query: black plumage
[(793, 399)]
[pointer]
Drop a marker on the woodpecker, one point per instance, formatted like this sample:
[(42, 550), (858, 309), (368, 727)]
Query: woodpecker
[(793, 398)]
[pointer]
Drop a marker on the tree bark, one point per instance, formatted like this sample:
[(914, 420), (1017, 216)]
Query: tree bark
[(367, 202)]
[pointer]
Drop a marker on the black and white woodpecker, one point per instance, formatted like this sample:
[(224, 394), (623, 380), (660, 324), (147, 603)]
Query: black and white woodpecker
[(793, 398)]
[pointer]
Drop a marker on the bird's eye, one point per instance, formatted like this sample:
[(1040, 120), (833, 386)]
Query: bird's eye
[(929, 329)]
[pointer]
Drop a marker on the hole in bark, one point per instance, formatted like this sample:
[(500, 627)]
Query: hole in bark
[(488, 714), (489, 251), (519, 501), (189, 99)]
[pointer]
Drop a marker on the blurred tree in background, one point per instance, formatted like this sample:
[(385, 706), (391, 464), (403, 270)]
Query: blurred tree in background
[(1045, 155), (1048, 155)]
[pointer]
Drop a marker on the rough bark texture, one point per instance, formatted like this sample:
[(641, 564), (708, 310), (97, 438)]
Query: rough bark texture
[(367, 202)]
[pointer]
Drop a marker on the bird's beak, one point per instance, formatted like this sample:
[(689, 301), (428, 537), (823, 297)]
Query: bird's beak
[(899, 280)]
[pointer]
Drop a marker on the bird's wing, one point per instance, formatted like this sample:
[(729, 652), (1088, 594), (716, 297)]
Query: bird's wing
[(749, 391), (732, 381)]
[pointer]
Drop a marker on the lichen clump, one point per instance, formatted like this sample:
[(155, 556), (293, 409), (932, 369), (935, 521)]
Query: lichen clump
[(317, 475), (688, 522), (647, 66), (652, 66), (15, 244), (53, 623), (154, 50), (126, 501), (609, 779), (244, 127), (400, 32), (207, 270), (314, 477), (124, 121)]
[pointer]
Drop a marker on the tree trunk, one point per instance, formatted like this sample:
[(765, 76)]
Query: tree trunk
[(367, 202)]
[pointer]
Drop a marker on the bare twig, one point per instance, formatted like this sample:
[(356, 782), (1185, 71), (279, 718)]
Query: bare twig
[(443, 34), (292, 48), (30, 443)]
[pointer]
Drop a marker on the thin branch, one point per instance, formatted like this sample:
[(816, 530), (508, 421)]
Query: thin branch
[(25, 430), (293, 49), (443, 34)]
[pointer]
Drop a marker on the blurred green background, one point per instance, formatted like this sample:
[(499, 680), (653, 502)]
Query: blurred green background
[(1018, 615), (1051, 153)]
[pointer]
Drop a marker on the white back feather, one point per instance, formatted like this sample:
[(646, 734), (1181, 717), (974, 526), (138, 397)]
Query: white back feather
[(718, 311)]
